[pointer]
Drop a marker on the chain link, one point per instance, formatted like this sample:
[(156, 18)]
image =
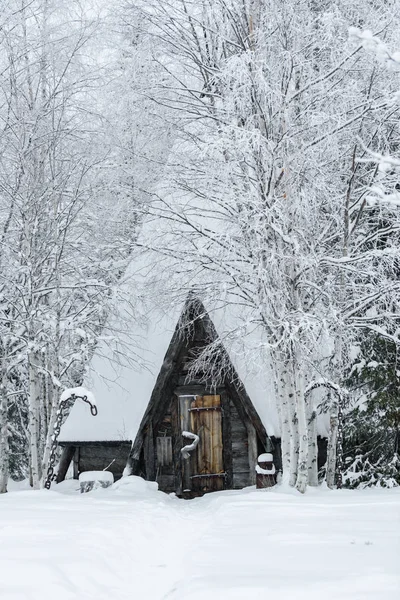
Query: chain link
[(51, 476)]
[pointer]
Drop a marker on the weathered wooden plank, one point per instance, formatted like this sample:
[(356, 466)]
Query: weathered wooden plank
[(176, 445), (209, 456), (240, 449), (164, 451), (205, 484), (252, 452), (213, 420), (227, 440), (115, 466), (240, 480), (241, 463), (163, 426), (239, 431), (240, 444), (65, 460), (104, 452), (166, 483), (238, 427), (105, 443), (149, 454), (76, 462), (185, 425), (246, 409), (199, 426)]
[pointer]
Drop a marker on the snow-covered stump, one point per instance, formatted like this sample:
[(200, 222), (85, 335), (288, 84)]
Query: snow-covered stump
[(265, 471), (92, 480)]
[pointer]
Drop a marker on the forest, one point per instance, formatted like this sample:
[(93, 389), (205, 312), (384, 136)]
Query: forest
[(251, 147)]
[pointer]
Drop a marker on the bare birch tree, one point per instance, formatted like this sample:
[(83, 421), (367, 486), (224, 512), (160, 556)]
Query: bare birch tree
[(63, 246)]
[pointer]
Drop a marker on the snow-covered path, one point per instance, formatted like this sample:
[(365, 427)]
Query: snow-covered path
[(118, 544)]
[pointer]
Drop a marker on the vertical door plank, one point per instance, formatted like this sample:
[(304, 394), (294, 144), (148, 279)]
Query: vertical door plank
[(208, 426), (227, 440), (213, 418), (149, 453), (185, 403), (252, 452)]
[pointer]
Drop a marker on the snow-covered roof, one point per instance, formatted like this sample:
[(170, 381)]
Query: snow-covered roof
[(122, 388), (122, 391)]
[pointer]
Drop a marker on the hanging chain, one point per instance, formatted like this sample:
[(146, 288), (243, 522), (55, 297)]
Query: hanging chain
[(339, 444), (57, 428)]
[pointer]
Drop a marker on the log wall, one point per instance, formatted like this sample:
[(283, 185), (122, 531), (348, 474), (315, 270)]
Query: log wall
[(165, 436), (242, 475), (98, 457)]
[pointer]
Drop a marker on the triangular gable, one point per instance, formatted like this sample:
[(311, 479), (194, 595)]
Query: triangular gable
[(122, 387), (193, 315)]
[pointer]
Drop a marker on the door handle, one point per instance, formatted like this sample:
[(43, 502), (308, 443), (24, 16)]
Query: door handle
[(185, 451)]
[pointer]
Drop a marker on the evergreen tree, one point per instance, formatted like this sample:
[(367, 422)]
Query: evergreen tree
[(373, 427)]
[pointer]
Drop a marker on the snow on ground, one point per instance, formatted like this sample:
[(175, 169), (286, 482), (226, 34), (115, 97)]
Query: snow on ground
[(132, 542)]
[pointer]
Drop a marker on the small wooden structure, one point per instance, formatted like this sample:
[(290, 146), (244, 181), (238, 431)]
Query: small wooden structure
[(265, 471), (93, 456), (214, 408)]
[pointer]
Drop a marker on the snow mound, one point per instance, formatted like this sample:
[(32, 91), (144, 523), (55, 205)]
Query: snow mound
[(68, 486), (96, 476), (136, 486), (17, 486)]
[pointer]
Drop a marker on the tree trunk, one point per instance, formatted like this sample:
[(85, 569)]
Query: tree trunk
[(285, 424), (312, 446), (3, 436), (331, 452), (294, 429), (302, 426), (34, 396)]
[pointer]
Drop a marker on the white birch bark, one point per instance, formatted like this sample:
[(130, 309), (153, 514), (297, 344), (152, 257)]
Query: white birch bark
[(34, 401), (285, 425), (331, 452), (294, 430), (3, 435), (302, 428), (312, 445)]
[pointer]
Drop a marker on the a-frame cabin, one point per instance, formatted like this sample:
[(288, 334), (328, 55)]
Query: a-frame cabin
[(209, 401)]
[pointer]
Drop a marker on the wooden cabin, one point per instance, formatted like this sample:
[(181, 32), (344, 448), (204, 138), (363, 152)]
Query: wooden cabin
[(191, 397)]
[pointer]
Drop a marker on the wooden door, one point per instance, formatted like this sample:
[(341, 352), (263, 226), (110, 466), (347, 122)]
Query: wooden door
[(204, 470)]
